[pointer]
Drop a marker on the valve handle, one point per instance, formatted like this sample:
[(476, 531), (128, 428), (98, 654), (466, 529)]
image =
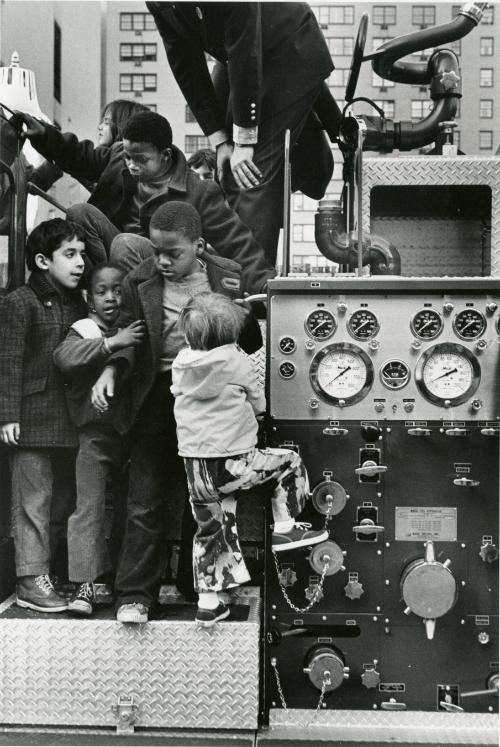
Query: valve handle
[(333, 431), (368, 526), (419, 431), (465, 482), (456, 432), (370, 468), (451, 707)]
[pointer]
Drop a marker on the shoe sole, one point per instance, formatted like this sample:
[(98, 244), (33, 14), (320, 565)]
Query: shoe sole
[(211, 623), (37, 608), (301, 543), (132, 620), (80, 609)]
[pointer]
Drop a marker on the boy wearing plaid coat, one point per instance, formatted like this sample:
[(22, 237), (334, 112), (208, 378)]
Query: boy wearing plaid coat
[(34, 420)]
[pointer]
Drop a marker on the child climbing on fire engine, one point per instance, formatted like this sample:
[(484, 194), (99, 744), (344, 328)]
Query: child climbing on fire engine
[(217, 398)]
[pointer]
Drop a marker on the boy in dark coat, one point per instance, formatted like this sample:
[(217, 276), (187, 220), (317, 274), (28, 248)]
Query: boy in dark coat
[(157, 291), (136, 176), (34, 419)]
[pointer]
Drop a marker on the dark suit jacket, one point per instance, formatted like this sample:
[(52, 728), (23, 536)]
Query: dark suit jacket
[(34, 320), (115, 189), (275, 52), (142, 292)]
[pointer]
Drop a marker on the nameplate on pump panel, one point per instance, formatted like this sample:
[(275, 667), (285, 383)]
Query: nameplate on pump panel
[(421, 523)]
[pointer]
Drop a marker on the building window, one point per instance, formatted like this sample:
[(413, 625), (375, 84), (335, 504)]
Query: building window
[(341, 46), (486, 45), (486, 108), (384, 15), (486, 77), (456, 47), (57, 61), (423, 15), (420, 108), (137, 22), (488, 16), (378, 82), (485, 139), (388, 106), (151, 107), (138, 52), (424, 54), (378, 41), (339, 77), (303, 203), (341, 15), (454, 10), (303, 232), (137, 82), (192, 143)]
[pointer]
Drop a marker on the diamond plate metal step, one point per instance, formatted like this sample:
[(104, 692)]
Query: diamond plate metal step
[(60, 670)]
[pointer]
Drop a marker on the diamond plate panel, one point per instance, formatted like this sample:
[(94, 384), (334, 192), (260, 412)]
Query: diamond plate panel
[(401, 727), (70, 672), (436, 171)]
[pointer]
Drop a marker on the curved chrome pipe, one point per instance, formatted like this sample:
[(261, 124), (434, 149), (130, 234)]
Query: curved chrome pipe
[(333, 243), (386, 62)]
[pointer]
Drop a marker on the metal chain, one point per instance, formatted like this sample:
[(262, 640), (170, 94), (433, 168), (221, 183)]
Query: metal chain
[(315, 597), (282, 696)]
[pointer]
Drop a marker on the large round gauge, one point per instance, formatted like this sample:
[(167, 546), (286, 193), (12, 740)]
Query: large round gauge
[(320, 324), (447, 373), (395, 374), (341, 373), (363, 324), (469, 324), (427, 324)]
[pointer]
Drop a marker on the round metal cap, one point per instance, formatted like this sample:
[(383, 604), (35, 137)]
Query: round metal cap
[(428, 589)]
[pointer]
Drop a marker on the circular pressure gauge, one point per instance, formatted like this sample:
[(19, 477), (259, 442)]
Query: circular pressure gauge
[(320, 324), (427, 324), (363, 324), (447, 372), (286, 370), (395, 374), (341, 372), (497, 324), (469, 324), (287, 345)]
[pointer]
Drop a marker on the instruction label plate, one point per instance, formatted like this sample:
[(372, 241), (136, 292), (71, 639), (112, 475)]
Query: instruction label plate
[(420, 523)]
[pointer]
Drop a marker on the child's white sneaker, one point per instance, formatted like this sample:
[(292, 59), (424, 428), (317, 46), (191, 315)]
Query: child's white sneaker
[(301, 535)]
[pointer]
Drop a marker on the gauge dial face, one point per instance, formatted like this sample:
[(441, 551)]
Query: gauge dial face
[(469, 324), (363, 324), (497, 324), (395, 374), (341, 372), (320, 324), (427, 324), (287, 345), (286, 370), (448, 372)]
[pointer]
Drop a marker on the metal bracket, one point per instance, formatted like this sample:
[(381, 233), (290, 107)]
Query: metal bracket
[(126, 714)]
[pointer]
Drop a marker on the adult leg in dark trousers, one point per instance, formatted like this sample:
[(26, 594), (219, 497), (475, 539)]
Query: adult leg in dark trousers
[(261, 207), (153, 463)]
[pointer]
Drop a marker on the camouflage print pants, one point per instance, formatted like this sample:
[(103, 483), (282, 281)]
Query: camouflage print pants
[(218, 563)]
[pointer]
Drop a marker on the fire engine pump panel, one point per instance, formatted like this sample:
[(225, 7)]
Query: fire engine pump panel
[(383, 376)]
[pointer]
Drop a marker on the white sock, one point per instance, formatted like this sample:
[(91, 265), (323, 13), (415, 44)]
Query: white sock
[(284, 527), (208, 600)]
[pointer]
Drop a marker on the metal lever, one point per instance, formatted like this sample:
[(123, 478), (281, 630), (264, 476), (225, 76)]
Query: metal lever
[(333, 431), (466, 482), (449, 706), (370, 468), (456, 432), (489, 431), (368, 526), (419, 431), (393, 705)]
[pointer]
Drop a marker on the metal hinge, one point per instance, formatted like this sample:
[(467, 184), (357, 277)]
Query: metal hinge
[(126, 714)]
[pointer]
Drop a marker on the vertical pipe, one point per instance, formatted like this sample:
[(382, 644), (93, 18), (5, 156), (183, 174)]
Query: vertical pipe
[(360, 200), (286, 207)]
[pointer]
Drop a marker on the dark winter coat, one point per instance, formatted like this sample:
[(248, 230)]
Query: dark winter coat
[(115, 189), (142, 293), (33, 321)]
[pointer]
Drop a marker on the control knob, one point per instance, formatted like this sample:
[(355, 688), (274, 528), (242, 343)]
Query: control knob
[(370, 677), (369, 468), (353, 590), (488, 552), (428, 588)]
